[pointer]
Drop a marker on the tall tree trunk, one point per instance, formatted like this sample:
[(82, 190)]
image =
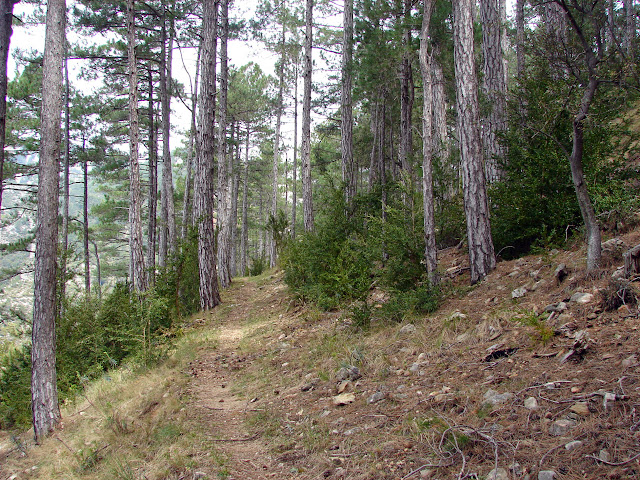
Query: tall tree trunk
[(44, 392), (136, 252), (494, 86), (186, 208), (6, 22), (406, 103), (224, 227), (441, 144), (244, 236), (203, 191), (594, 248), (520, 37), (591, 59), (276, 146), (346, 138), (629, 27), (307, 187), (65, 183), (153, 184), (98, 271), (476, 206), (294, 188), (167, 206), (431, 251), (85, 221)]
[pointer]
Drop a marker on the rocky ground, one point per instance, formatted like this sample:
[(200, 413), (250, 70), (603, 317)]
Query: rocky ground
[(532, 374)]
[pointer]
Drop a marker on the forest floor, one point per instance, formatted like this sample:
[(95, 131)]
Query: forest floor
[(266, 387)]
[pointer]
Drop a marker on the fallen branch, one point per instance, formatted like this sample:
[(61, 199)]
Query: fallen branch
[(614, 464)]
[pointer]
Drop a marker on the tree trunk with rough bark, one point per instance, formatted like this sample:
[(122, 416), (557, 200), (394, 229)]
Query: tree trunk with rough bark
[(629, 27), (65, 184), (520, 37), (294, 200), (406, 104), (137, 265), (307, 187), (431, 250), (494, 86), (476, 206), (153, 184), (85, 222), (186, 207), (44, 392), (167, 206), (203, 188), (244, 235), (6, 29), (346, 138), (276, 147)]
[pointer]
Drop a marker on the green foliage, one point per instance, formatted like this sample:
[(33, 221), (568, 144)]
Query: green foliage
[(91, 339), (535, 206), (353, 249), (178, 285), (258, 265), (278, 225), (15, 388)]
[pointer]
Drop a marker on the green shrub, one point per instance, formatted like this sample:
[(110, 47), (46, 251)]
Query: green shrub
[(15, 389)]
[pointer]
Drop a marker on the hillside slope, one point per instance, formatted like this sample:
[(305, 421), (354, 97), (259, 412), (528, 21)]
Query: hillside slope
[(527, 372)]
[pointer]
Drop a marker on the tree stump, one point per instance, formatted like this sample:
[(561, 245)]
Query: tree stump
[(632, 261)]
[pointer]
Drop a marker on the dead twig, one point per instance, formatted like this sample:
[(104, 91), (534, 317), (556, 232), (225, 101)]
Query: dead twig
[(246, 439), (426, 465), (613, 464)]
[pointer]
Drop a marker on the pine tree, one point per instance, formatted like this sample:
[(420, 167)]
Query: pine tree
[(44, 394), (476, 206)]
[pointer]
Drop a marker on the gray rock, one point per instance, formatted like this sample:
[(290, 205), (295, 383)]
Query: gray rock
[(348, 373), (415, 367), (613, 245), (561, 427), (199, 475), (555, 307), (604, 455), (353, 430), (516, 469), (618, 274), (498, 474), (531, 403), (376, 397), (519, 292), (546, 475), (494, 398), (561, 272), (408, 329), (582, 298), (344, 399), (573, 445)]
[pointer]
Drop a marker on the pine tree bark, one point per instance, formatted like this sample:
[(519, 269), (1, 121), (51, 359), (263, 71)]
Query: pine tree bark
[(494, 86), (276, 146), (406, 103), (85, 223), (244, 235), (294, 188), (137, 265), (307, 188), (431, 251), (6, 29), (153, 183), (224, 227), (186, 207), (167, 206), (44, 394), (65, 183), (629, 27), (346, 105), (476, 206), (520, 38), (203, 191)]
